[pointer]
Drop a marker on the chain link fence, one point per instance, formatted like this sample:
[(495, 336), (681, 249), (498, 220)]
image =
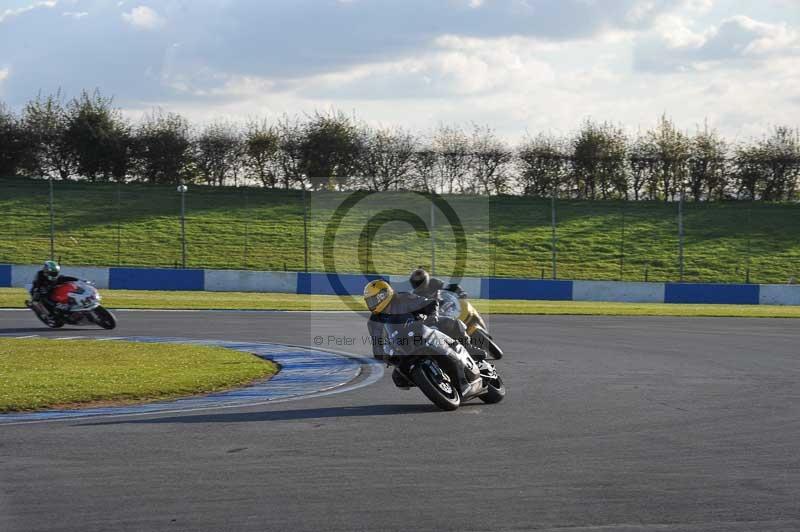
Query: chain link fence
[(261, 229)]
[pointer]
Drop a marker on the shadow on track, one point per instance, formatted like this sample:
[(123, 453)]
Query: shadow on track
[(19, 330), (283, 415)]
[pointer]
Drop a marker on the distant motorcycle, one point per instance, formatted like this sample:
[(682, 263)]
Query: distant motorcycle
[(442, 368), (455, 305), (73, 303)]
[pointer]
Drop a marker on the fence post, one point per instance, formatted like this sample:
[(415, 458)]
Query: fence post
[(305, 231), (182, 189), (554, 251), (749, 236), (622, 246), (433, 239), (246, 227), (52, 222), (680, 234), (119, 224)]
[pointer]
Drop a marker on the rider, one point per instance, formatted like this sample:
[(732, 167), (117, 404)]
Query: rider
[(405, 311), (426, 286), (46, 279)]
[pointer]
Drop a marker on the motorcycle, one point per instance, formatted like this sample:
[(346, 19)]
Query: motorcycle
[(73, 303), (455, 305), (441, 368)]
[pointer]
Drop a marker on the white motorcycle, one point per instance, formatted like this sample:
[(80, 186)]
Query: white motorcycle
[(73, 303)]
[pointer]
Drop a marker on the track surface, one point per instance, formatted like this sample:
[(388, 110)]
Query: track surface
[(610, 424)]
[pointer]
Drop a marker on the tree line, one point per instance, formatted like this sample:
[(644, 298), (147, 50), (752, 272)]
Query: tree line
[(88, 138)]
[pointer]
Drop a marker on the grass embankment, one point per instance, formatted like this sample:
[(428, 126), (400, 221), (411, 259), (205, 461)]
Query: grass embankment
[(37, 374), (138, 225), (137, 299)]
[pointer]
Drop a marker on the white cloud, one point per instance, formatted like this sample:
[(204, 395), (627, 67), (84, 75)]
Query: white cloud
[(143, 18), (3, 74), (13, 12), (75, 14)]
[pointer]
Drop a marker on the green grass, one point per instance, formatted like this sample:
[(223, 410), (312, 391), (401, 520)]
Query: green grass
[(228, 228), (37, 374), (137, 299)]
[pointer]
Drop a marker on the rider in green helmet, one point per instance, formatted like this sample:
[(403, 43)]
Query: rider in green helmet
[(46, 279)]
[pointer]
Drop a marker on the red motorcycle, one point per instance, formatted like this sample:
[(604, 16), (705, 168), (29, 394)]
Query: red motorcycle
[(73, 303)]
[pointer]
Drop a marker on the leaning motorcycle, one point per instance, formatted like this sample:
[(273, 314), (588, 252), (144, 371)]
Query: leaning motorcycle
[(457, 306), (73, 303), (442, 368)]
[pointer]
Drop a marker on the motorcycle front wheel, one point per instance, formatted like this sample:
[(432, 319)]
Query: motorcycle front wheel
[(104, 318), (496, 393), (441, 392)]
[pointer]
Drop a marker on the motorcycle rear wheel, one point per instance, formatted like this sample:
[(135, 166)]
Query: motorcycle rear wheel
[(434, 390), (104, 318)]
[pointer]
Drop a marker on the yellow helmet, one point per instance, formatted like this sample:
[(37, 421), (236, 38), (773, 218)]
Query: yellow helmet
[(378, 294)]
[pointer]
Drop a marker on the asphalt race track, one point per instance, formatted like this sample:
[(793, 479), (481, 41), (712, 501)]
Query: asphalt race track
[(610, 424)]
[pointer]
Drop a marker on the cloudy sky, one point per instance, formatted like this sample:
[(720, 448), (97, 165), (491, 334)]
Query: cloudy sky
[(516, 65)]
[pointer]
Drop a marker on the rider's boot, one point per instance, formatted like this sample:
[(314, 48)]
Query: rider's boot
[(477, 353), (400, 381)]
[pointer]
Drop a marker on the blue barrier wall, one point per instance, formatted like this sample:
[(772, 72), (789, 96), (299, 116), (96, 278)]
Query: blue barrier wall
[(5, 275), (156, 279), (353, 284), (526, 289), (735, 294)]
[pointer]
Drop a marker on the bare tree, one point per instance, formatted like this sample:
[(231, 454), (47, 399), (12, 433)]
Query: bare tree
[(543, 164), (599, 160), (162, 148), (670, 149), (261, 146), (387, 157), (491, 160), (707, 165), (216, 152), (454, 159), (290, 154), (14, 145), (46, 121)]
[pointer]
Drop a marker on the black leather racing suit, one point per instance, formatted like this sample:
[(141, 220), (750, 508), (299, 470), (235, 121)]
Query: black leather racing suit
[(43, 285)]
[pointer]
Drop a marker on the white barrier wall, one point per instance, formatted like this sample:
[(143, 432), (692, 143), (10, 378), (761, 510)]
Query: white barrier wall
[(471, 285), (779, 294), (628, 292), (250, 281), (22, 275)]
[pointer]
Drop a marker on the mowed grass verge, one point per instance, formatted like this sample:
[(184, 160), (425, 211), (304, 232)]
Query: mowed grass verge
[(139, 299), (37, 373)]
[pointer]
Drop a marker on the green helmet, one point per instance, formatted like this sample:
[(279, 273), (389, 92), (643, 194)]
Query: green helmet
[(51, 269)]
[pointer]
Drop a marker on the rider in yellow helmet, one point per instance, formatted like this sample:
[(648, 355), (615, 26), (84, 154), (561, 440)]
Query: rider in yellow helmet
[(401, 312)]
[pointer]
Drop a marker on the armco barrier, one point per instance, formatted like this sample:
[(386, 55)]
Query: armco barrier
[(23, 274), (735, 294), (779, 294), (628, 292), (494, 288), (345, 284), (353, 284), (5, 275), (156, 279), (250, 281)]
